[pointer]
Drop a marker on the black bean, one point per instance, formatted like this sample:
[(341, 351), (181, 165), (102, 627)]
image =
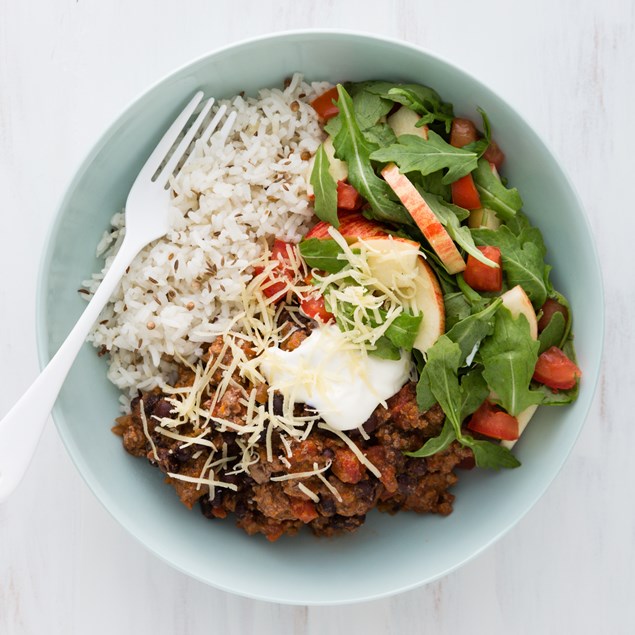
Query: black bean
[(278, 401), (162, 409)]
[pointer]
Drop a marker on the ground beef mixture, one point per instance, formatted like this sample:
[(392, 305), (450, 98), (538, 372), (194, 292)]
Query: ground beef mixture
[(273, 507)]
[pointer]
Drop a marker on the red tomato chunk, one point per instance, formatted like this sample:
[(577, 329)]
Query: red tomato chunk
[(482, 277), (494, 422), (494, 155), (556, 370), (348, 198), (324, 106), (314, 307), (465, 194), (463, 131), (276, 282)]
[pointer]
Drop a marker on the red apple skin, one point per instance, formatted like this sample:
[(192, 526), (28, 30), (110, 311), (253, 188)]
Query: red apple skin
[(353, 226), (425, 219)]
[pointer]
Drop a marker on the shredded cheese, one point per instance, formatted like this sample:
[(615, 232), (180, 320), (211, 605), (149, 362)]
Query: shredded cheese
[(312, 495), (358, 453)]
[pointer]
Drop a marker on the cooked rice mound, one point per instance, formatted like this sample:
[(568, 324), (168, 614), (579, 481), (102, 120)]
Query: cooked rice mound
[(230, 199)]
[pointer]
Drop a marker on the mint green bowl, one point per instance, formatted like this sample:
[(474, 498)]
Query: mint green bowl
[(390, 553)]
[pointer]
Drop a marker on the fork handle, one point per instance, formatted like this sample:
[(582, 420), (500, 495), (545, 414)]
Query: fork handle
[(21, 428)]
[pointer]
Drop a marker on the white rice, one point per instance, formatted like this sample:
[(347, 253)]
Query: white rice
[(230, 200)]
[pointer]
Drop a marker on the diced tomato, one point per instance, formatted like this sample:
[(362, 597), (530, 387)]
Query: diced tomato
[(482, 277), (348, 198), (463, 132), (556, 370), (347, 467), (276, 282), (494, 154), (549, 308), (303, 510), (491, 421), (465, 194), (313, 306), (324, 106)]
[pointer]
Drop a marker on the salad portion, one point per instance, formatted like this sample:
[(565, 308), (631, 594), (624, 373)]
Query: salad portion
[(491, 338)]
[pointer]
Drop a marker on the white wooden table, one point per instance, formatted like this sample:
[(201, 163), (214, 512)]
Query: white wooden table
[(68, 67)]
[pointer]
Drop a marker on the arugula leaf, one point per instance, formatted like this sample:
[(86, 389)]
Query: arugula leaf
[(415, 154), (352, 147), (469, 332), (490, 455), (481, 145), (436, 444), (441, 371), (403, 330), (457, 308), (553, 333), (509, 357), (322, 254), (441, 379), (381, 134), (369, 107), (558, 398), (324, 189), (476, 300), (494, 195), (385, 349), (450, 216), (425, 397), (433, 183), (523, 259), (474, 391), (424, 101)]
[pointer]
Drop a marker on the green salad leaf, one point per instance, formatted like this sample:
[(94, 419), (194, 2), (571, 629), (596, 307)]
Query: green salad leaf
[(459, 399), (509, 357), (470, 332), (324, 189), (553, 333), (491, 455), (403, 330), (523, 259), (481, 145), (494, 195), (415, 154), (424, 101), (436, 444), (353, 147), (323, 254)]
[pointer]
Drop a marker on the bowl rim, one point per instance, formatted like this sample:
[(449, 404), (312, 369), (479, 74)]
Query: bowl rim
[(82, 166)]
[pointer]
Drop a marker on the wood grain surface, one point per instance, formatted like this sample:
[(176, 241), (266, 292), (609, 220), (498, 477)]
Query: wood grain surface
[(68, 67)]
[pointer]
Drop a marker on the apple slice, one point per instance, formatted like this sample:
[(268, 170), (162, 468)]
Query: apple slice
[(518, 303), (391, 258), (403, 122), (353, 226), (483, 217), (337, 169), (425, 219)]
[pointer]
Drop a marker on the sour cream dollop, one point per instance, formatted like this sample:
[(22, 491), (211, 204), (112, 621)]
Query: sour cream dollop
[(335, 377)]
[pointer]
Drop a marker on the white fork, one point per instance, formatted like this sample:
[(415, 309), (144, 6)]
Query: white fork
[(146, 220)]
